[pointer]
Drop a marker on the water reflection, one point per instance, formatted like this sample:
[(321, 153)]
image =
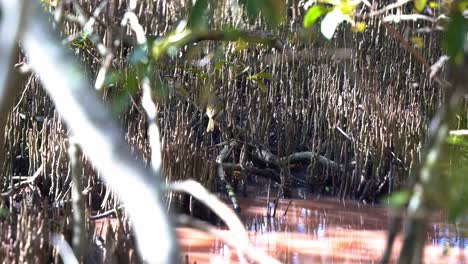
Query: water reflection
[(325, 231)]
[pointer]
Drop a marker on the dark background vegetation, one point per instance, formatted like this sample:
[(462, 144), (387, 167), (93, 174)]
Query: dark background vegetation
[(346, 118)]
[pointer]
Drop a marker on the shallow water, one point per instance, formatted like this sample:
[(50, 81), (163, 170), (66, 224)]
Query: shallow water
[(324, 231)]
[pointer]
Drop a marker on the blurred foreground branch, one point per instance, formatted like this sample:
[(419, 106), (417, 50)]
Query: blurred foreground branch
[(99, 137)]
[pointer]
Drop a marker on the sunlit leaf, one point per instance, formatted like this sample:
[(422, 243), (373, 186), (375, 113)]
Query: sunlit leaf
[(399, 199), (241, 45), (52, 3), (420, 5), (229, 64), (203, 76), (331, 21), (418, 42), (264, 75), (219, 65), (359, 27), (433, 4), (462, 6), (313, 14), (457, 140), (347, 7)]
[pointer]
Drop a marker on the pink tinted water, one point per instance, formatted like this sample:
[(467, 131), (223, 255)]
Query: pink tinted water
[(323, 231)]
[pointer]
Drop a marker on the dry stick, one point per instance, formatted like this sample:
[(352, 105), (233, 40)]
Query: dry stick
[(100, 139), (414, 17), (254, 253)]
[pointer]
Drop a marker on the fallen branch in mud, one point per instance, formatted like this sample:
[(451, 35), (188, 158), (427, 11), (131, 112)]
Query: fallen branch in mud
[(268, 157), (265, 155), (254, 253), (308, 155), (267, 173)]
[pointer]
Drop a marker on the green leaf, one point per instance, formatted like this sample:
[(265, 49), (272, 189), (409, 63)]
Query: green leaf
[(454, 37), (198, 19), (119, 102), (313, 14), (399, 199), (265, 75), (420, 5), (331, 21), (3, 212), (433, 4), (261, 86)]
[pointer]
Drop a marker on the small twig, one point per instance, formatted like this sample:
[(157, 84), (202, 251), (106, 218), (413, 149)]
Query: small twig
[(286, 211), (428, 29), (268, 197), (384, 9), (106, 214), (435, 68), (28, 84), (344, 133), (413, 17)]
